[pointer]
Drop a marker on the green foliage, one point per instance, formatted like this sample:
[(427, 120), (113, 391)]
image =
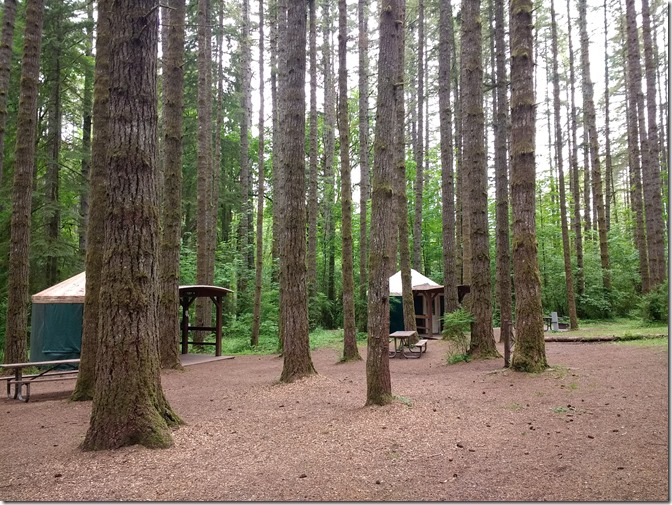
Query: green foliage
[(653, 306), (456, 324)]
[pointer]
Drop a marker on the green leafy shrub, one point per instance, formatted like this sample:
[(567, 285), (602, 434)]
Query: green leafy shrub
[(456, 324), (653, 306)]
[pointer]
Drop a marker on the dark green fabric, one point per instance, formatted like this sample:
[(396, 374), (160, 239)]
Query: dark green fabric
[(56, 331), (396, 314)]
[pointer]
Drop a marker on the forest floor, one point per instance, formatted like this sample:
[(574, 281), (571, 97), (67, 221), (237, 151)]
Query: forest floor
[(592, 427)]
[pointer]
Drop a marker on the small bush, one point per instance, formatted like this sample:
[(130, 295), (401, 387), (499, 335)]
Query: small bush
[(653, 306), (456, 324)]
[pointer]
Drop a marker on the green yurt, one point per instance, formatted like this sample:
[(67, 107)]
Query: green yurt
[(428, 301), (56, 323)]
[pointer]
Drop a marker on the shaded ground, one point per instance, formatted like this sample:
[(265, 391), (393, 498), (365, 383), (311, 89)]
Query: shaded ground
[(595, 427)]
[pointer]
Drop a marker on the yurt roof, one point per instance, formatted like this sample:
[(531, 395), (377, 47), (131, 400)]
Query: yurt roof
[(418, 282), (68, 291)]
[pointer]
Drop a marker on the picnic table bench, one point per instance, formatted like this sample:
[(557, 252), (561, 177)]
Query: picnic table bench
[(403, 347), (20, 381)]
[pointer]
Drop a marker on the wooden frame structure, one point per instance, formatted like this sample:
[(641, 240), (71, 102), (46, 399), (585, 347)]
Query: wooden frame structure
[(188, 295)]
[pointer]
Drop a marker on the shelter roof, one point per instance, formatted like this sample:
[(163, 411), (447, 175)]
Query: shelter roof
[(68, 291), (418, 282), (203, 290)]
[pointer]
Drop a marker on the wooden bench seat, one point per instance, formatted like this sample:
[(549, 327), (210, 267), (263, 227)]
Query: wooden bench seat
[(422, 344), (21, 382)]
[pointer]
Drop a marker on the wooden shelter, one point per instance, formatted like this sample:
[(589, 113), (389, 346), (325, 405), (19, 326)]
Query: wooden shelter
[(428, 300), (188, 295)]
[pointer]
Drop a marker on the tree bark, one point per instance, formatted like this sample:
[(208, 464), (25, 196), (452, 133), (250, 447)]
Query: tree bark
[(503, 263), (16, 329), (569, 280), (474, 161), (313, 176), (446, 41), (259, 259), (128, 404), (87, 101), (294, 300), (383, 222), (418, 147), (529, 354), (350, 351), (169, 265), (6, 44), (608, 165)]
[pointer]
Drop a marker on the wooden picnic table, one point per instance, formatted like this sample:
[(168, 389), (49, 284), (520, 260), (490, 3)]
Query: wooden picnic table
[(19, 381), (402, 341)]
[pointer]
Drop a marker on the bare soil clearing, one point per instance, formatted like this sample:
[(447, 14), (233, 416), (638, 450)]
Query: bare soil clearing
[(594, 427)]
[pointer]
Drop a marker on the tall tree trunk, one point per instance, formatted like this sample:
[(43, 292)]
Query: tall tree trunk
[(204, 174), (608, 166), (474, 159), (16, 324), (596, 170), (274, 21), (446, 41), (350, 351), (6, 44), (95, 231), (408, 304), (245, 228), (574, 164), (294, 299), (87, 100), (128, 404), (169, 265), (459, 249), (655, 227), (313, 175), (383, 222), (53, 147), (503, 268), (418, 147), (364, 189), (259, 259), (529, 354), (328, 171), (569, 280), (634, 163)]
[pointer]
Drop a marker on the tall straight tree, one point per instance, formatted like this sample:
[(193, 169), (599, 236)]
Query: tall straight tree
[(6, 43), (383, 222), (418, 146), (204, 272), (87, 103), (569, 279), (596, 170), (312, 170), (128, 404), (653, 208), (474, 163), (608, 166), (447, 172), (16, 327), (259, 258), (408, 307), (294, 300), (350, 351), (169, 266), (574, 163), (503, 261), (95, 231), (363, 86), (529, 354)]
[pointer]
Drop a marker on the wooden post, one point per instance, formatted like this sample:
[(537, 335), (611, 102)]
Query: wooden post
[(218, 330)]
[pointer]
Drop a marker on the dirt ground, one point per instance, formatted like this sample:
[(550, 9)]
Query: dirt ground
[(594, 427)]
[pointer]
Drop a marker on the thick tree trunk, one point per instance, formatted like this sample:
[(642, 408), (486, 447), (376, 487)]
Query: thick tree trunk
[(6, 43), (16, 329), (529, 354), (446, 41), (169, 266), (128, 404), (95, 231), (363, 75), (569, 280), (259, 258), (474, 159), (294, 298), (596, 170), (503, 263), (383, 222), (350, 351), (274, 8)]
